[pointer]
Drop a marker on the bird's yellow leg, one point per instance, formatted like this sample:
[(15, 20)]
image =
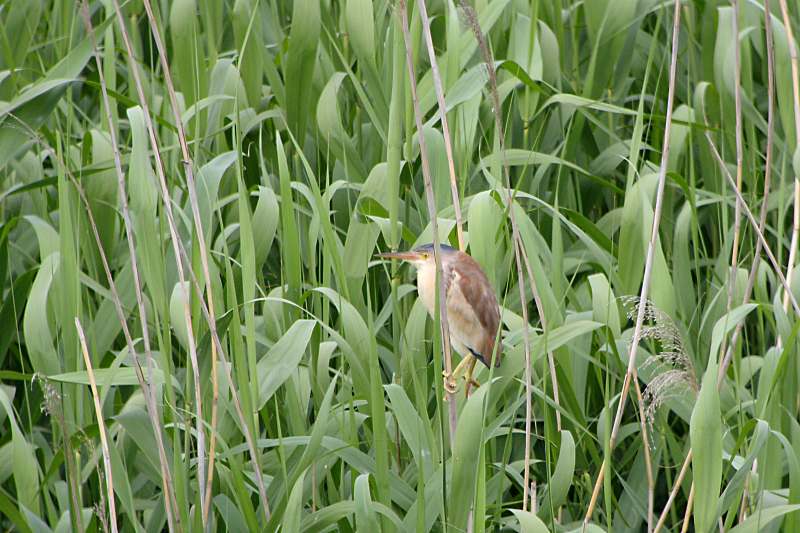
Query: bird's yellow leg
[(468, 376), (450, 380)]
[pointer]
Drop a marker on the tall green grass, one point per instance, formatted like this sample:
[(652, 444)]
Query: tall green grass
[(195, 332)]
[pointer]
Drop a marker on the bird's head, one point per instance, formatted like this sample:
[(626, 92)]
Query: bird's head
[(419, 256)]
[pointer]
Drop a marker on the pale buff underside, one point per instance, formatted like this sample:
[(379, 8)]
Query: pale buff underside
[(465, 328)]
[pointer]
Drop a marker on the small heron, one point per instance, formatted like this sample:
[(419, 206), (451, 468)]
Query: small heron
[(473, 315)]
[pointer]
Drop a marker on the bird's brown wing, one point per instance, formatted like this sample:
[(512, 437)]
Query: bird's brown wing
[(479, 293)]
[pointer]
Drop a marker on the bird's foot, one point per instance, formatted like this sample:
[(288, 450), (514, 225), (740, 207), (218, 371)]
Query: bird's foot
[(471, 383), (450, 383)]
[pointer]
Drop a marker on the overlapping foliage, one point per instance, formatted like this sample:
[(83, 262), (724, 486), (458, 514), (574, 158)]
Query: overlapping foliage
[(313, 400)]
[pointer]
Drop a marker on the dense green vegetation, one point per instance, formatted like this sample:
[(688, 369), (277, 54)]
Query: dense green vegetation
[(195, 331)]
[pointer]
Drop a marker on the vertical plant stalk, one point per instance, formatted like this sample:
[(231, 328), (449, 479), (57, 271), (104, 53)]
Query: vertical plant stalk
[(170, 499), (630, 374), (394, 146), (757, 252), (737, 216), (448, 146), (180, 251), (426, 175), (112, 510), (762, 219), (737, 213), (205, 498), (175, 239), (760, 233), (754, 224), (676, 485), (519, 253), (648, 461), (787, 23), (543, 320), (688, 514)]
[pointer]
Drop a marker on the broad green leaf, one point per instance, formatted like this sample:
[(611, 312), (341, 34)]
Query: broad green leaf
[(178, 301), (762, 517), (366, 519), (299, 63), (529, 522), (141, 179), (332, 130), (705, 431), (249, 36), (208, 181), (294, 508), (604, 303), (25, 466), (112, 376), (465, 465), (35, 322), (725, 325), (525, 158), (265, 219), (282, 359), (360, 23), (411, 425), (561, 480), (184, 30), (580, 101)]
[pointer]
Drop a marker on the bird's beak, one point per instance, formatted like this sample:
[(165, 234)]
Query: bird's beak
[(403, 256)]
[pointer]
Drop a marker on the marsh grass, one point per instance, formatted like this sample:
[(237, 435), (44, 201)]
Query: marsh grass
[(196, 334)]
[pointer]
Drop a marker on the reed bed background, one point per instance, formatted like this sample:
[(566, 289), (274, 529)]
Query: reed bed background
[(196, 336)]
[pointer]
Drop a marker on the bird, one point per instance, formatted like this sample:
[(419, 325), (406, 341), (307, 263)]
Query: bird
[(473, 314)]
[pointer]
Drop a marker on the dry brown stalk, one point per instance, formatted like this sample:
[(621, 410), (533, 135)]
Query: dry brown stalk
[(472, 21), (754, 224), (205, 498), (431, 203), (101, 425), (648, 266), (170, 500), (688, 514), (737, 216), (175, 241), (448, 146), (761, 225), (676, 485), (787, 24)]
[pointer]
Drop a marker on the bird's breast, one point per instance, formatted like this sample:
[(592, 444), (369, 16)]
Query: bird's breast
[(426, 287)]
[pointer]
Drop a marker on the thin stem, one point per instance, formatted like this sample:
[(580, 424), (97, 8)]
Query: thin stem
[(787, 24), (170, 499), (205, 498), (754, 223), (431, 202), (448, 147), (762, 219), (473, 23), (648, 462), (648, 266), (676, 485), (101, 425), (737, 217), (175, 240), (688, 514)]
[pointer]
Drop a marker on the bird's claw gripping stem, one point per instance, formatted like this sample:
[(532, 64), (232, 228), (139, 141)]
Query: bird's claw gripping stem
[(466, 367), (450, 383)]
